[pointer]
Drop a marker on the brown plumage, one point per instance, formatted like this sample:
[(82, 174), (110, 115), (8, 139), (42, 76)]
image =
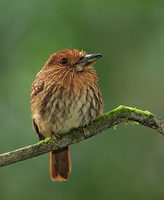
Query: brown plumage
[(65, 95)]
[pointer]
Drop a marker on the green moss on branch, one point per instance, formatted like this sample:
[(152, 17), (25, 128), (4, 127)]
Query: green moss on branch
[(107, 120)]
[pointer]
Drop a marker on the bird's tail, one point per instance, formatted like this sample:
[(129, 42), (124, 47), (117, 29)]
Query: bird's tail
[(60, 165)]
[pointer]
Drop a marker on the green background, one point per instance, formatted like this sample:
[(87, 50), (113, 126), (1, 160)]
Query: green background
[(122, 164)]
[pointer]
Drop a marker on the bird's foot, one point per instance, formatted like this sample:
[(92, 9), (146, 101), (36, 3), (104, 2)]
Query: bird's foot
[(56, 136), (85, 131)]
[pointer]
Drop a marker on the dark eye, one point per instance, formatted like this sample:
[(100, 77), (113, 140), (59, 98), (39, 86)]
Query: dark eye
[(64, 61)]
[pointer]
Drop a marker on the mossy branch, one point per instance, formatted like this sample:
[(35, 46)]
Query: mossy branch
[(103, 122)]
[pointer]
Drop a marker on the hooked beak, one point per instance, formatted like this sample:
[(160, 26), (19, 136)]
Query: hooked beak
[(89, 58)]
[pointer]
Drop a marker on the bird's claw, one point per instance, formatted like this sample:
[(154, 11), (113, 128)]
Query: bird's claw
[(84, 129), (56, 136)]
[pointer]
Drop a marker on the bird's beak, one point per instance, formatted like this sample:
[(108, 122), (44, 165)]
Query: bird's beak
[(89, 58)]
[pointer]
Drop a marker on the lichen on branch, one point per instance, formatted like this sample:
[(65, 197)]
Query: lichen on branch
[(101, 123)]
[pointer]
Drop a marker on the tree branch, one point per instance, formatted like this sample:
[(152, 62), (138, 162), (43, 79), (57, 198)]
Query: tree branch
[(103, 122)]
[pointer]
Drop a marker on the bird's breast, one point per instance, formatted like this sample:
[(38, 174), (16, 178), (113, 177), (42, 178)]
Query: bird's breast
[(65, 109)]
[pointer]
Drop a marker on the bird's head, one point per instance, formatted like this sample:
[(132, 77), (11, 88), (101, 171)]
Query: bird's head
[(70, 62)]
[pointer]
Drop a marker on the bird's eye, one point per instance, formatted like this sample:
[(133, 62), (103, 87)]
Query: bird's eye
[(64, 61)]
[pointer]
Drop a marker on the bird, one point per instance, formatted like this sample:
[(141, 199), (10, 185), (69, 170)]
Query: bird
[(65, 95)]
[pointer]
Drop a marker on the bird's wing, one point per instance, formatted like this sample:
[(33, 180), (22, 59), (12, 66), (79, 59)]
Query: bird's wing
[(37, 87), (36, 129)]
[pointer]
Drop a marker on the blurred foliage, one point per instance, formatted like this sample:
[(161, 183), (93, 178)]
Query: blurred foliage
[(122, 164)]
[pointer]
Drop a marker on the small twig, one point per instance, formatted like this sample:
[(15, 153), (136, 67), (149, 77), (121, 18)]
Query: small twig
[(103, 122)]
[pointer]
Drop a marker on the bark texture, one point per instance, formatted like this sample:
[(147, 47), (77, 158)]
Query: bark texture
[(103, 122)]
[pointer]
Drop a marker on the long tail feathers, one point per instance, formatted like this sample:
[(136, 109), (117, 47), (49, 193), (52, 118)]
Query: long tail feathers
[(60, 165)]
